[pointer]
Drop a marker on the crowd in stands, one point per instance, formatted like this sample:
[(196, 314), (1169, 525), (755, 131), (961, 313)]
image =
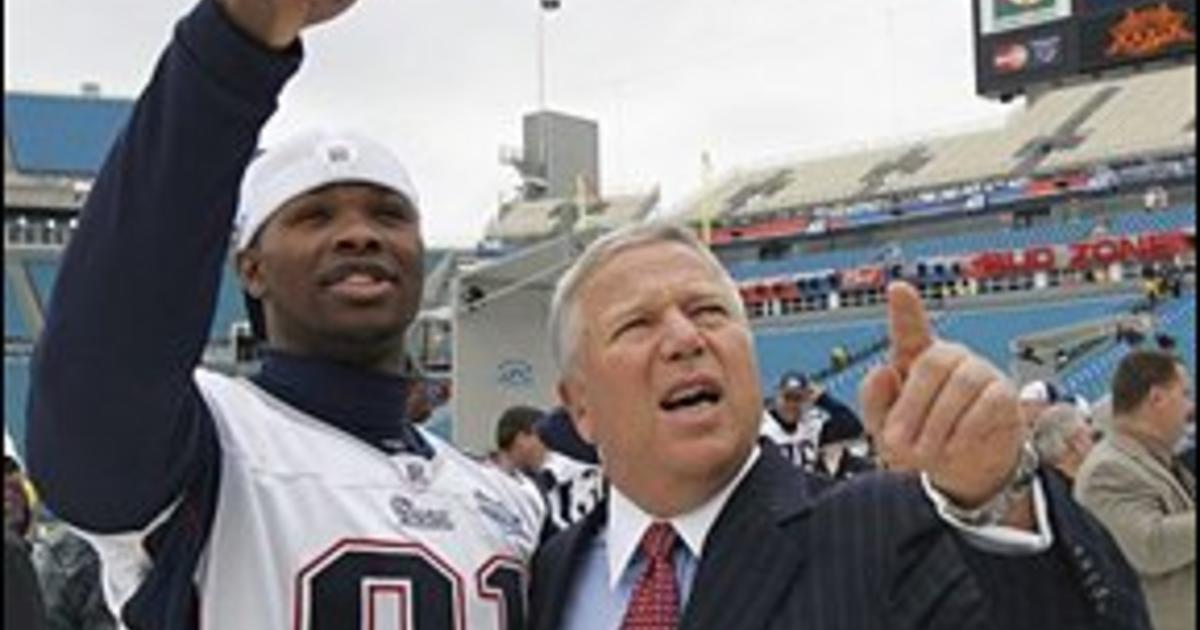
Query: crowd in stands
[(960, 200), (1159, 246)]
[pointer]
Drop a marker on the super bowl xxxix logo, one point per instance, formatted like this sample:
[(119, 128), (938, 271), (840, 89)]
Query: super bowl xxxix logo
[(1148, 31)]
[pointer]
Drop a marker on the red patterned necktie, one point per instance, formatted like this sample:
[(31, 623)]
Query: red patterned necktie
[(655, 601)]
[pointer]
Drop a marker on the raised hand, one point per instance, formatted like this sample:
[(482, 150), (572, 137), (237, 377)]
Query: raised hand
[(939, 408), (277, 23)]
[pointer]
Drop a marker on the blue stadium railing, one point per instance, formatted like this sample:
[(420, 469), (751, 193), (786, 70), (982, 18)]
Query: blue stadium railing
[(988, 331)]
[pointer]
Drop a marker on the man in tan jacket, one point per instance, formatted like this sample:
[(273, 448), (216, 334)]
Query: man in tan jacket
[(1133, 483)]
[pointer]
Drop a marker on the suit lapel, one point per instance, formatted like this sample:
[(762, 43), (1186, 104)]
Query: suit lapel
[(750, 559)]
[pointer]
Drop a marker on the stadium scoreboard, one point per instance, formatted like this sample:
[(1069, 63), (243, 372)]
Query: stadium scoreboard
[(1024, 43)]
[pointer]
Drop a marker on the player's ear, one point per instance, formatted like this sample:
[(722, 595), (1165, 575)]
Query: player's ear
[(249, 268), (573, 394)]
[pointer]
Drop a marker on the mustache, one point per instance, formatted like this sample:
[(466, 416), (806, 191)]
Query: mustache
[(377, 269)]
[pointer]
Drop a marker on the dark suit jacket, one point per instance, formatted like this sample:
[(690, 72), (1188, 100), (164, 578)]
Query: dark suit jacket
[(869, 554)]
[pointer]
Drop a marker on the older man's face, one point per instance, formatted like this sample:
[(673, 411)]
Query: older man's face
[(664, 380)]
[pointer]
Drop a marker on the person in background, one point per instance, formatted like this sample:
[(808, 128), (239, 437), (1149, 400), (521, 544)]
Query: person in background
[(842, 451), (421, 400), (67, 567), (1063, 437), (23, 606), (793, 420), (441, 417), (1187, 444), (19, 499), (1143, 494), (579, 484), (1035, 397), (69, 571), (519, 450)]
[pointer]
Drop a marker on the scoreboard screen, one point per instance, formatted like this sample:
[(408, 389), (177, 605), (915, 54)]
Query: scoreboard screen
[(998, 16), (1022, 43), (1137, 32)]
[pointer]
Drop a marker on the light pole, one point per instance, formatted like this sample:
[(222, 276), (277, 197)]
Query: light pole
[(547, 6)]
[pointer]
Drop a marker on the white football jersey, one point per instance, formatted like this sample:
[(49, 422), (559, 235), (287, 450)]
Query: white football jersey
[(316, 529), (799, 446), (578, 488)]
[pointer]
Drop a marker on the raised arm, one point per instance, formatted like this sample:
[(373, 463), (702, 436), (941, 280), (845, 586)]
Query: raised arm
[(116, 425)]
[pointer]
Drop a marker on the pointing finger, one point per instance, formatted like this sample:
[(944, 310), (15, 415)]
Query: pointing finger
[(877, 394), (908, 325)]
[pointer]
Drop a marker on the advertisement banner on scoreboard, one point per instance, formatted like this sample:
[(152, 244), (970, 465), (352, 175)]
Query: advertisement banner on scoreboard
[(1137, 33), (999, 16), (1011, 61)]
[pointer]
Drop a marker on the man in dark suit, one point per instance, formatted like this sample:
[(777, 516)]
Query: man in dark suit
[(704, 527)]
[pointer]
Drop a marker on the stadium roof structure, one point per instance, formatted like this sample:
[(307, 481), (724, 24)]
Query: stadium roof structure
[(530, 221), (1144, 115), (61, 135)]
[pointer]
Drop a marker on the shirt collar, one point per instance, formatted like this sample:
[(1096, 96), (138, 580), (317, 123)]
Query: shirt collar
[(367, 404), (627, 523)]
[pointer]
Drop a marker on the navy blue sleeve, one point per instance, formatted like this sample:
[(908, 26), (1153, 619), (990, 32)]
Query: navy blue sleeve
[(836, 408), (116, 424)]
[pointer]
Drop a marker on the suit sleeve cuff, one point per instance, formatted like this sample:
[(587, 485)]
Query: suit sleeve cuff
[(999, 539)]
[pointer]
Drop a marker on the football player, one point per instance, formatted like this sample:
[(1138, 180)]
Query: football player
[(301, 497)]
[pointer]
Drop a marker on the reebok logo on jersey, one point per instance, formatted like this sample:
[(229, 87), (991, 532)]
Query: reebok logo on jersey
[(498, 513), (412, 516)]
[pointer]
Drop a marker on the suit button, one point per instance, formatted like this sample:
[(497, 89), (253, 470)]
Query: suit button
[(1099, 594), (1078, 551)]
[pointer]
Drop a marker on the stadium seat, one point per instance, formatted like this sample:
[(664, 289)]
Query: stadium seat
[(63, 135)]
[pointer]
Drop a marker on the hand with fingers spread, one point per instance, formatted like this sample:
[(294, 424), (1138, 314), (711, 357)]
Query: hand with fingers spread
[(277, 23), (937, 407)]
